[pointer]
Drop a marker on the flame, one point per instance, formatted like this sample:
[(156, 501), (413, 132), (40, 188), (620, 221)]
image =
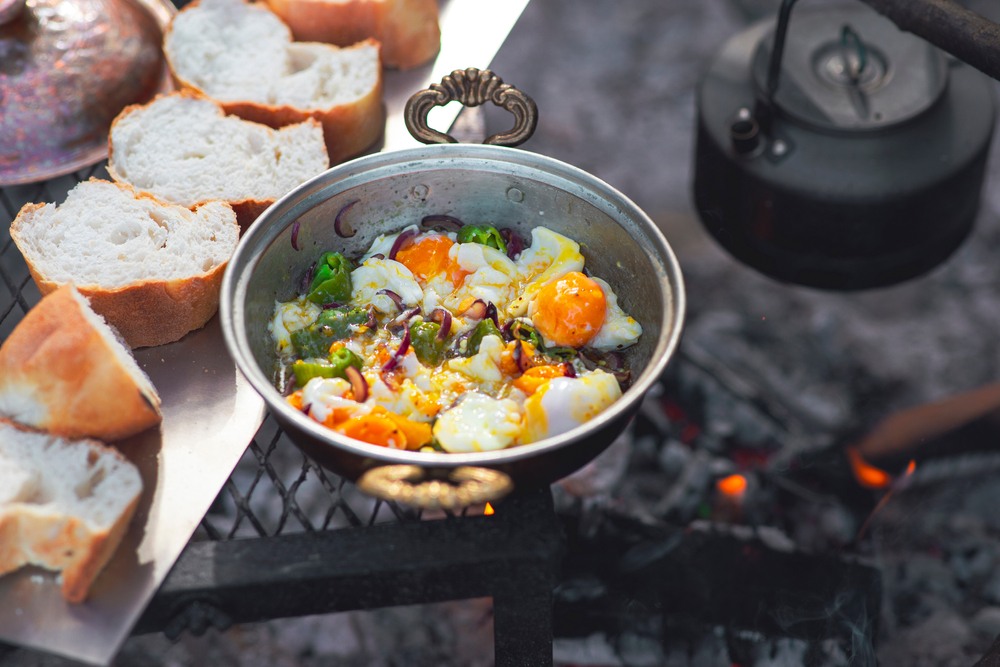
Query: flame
[(911, 466), (868, 475), (733, 485), (488, 510)]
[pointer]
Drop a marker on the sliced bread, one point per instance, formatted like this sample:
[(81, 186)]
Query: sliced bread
[(64, 505), (151, 269), (64, 370), (242, 55), (408, 30), (184, 149)]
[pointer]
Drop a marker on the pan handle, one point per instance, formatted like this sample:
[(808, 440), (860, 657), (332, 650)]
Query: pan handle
[(472, 87), (450, 489)]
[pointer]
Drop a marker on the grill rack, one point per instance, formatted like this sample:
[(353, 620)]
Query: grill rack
[(278, 505)]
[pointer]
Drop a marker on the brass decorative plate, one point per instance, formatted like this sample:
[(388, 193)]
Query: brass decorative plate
[(67, 68)]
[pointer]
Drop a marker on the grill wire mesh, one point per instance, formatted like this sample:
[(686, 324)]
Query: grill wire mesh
[(275, 488)]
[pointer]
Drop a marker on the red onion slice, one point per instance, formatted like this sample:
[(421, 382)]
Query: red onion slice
[(568, 370), (443, 222), (396, 299), (491, 312), (515, 244), (339, 223), (358, 384), (443, 317), (522, 359), (402, 318), (404, 345), (477, 310), (307, 279), (295, 235), (400, 240)]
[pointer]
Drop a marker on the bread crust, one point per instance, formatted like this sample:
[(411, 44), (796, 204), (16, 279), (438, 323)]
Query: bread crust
[(408, 29), (56, 358), (348, 129), (61, 542), (150, 312)]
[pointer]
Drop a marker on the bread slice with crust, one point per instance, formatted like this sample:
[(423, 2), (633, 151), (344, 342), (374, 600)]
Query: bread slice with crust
[(151, 269), (242, 55), (64, 370), (408, 30), (183, 149), (65, 505)]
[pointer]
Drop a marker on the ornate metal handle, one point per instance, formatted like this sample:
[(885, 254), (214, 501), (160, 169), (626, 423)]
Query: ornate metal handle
[(452, 489), (472, 87)]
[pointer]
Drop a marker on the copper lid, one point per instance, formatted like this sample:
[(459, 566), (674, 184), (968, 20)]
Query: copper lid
[(67, 68)]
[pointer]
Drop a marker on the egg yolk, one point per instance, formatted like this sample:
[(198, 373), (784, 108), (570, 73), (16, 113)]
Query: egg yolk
[(377, 429), (428, 257), (536, 376), (570, 310)]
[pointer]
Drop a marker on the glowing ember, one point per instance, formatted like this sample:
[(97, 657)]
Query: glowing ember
[(866, 474), (488, 510), (734, 485)]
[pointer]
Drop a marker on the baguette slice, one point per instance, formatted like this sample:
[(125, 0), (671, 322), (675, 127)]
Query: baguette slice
[(64, 505), (243, 56), (151, 269), (63, 370), (408, 30), (184, 149)]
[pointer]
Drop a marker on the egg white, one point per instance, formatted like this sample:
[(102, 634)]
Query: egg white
[(478, 423), (550, 255), (619, 329), (288, 317), (377, 274), (563, 403)]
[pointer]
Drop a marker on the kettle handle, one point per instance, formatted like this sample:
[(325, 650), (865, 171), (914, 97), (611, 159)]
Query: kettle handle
[(472, 87), (431, 489)]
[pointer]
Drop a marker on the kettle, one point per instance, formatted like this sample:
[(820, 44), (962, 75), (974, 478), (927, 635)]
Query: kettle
[(834, 150)]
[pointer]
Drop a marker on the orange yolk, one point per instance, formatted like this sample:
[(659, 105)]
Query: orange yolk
[(428, 257), (381, 427), (377, 429), (535, 377), (570, 310)]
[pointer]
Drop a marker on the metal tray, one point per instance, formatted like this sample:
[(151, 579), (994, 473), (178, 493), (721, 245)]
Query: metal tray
[(210, 413)]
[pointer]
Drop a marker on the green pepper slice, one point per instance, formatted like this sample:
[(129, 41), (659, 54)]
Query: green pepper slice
[(519, 330), (484, 328), (483, 235), (336, 366), (333, 324), (332, 280), (426, 345)]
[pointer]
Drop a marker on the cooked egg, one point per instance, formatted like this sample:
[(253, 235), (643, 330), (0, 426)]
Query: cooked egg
[(378, 274), (619, 330), (569, 310), (478, 423), (563, 403), (490, 276), (325, 396), (550, 255), (483, 366), (288, 317), (382, 245), (428, 257)]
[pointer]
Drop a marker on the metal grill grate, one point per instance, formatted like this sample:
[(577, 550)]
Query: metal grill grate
[(274, 489)]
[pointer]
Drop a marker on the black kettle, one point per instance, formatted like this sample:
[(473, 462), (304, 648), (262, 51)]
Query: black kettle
[(836, 151)]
